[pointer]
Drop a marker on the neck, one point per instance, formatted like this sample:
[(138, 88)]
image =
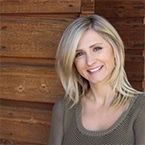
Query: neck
[(102, 95)]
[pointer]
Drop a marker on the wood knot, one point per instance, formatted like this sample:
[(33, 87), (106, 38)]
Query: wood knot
[(21, 88), (11, 114), (44, 86), (4, 27), (3, 47), (70, 5)]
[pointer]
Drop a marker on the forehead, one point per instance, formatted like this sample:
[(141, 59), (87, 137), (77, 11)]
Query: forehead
[(90, 38)]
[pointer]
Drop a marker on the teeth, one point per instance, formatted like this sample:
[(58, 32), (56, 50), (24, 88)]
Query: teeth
[(94, 69)]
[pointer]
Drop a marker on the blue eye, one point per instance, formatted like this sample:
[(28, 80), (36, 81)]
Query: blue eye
[(79, 54), (97, 48)]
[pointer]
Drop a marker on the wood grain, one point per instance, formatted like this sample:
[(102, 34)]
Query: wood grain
[(137, 85), (31, 36), (131, 31), (30, 83), (87, 7), (30, 33), (25, 124), (119, 8), (40, 6)]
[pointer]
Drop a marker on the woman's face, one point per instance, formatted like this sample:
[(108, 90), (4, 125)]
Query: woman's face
[(94, 58)]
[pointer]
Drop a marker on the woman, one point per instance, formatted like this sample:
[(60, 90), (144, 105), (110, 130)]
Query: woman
[(99, 106)]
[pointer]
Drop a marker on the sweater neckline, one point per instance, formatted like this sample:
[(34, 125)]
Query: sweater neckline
[(103, 132)]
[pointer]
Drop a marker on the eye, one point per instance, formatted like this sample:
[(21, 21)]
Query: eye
[(78, 54), (97, 48)]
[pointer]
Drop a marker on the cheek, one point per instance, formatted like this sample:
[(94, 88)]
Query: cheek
[(110, 55), (111, 62), (79, 64), (109, 59)]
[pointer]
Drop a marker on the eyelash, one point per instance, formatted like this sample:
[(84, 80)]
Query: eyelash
[(79, 54), (97, 48)]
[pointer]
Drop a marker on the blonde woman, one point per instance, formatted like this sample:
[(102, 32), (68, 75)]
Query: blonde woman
[(99, 106)]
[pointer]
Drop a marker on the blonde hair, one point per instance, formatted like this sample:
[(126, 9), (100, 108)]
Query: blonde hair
[(76, 86)]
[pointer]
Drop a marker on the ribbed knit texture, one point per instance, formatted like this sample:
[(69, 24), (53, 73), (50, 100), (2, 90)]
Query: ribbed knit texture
[(129, 129)]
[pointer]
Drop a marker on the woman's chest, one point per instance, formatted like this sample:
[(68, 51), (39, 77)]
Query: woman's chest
[(99, 119)]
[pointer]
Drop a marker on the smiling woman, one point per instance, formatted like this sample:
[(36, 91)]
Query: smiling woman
[(96, 62), (99, 106)]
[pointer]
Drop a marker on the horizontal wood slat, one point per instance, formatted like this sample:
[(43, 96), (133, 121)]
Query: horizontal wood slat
[(135, 52), (31, 36), (26, 104), (40, 6), (88, 7), (137, 85), (25, 124), (39, 62), (30, 83), (39, 37), (120, 8), (132, 33), (25, 82), (134, 66)]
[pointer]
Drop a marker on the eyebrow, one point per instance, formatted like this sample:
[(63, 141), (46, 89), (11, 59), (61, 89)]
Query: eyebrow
[(94, 45), (89, 46)]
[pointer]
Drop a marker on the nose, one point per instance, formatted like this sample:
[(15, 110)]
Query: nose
[(90, 59)]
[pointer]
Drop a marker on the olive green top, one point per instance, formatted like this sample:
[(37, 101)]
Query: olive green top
[(67, 128)]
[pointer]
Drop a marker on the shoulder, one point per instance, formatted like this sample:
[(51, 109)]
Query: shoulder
[(63, 108), (140, 99), (138, 112), (139, 103), (59, 103), (137, 107)]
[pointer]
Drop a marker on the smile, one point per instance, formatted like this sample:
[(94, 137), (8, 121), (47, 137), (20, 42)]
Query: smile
[(95, 69)]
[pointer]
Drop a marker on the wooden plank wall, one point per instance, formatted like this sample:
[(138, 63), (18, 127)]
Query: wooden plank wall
[(30, 32), (127, 16)]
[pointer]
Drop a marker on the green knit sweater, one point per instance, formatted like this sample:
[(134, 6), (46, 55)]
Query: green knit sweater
[(67, 128)]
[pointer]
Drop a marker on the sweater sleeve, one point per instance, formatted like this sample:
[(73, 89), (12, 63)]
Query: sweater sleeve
[(56, 129), (140, 128)]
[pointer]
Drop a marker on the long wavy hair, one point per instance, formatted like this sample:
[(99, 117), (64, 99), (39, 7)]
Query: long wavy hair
[(76, 86)]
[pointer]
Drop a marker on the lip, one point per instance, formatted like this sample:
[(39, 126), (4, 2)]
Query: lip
[(96, 69)]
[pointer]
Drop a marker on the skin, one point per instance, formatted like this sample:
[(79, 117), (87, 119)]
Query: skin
[(94, 58), (95, 62)]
